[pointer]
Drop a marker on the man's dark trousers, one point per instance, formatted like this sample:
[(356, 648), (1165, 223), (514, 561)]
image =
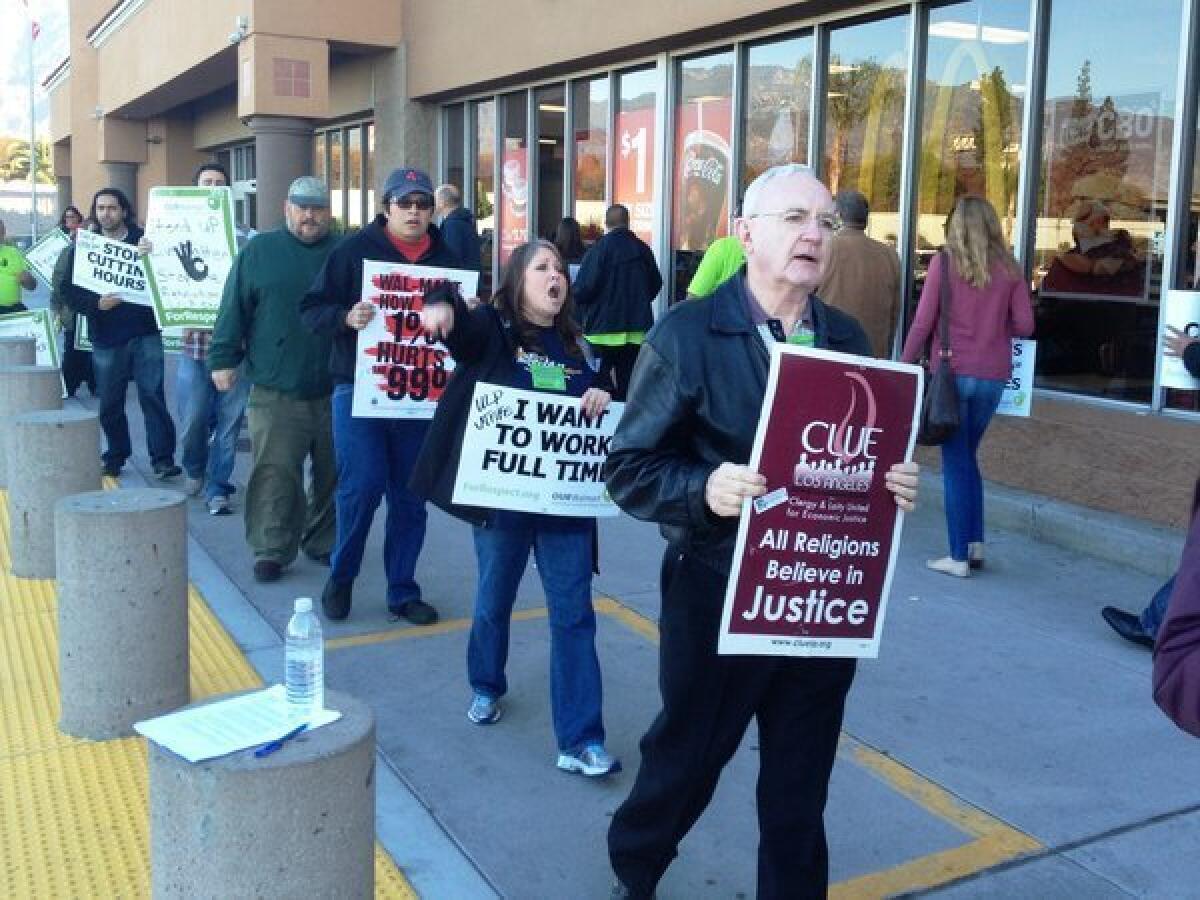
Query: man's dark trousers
[(708, 701)]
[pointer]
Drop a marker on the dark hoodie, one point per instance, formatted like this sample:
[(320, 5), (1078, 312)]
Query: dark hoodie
[(339, 286)]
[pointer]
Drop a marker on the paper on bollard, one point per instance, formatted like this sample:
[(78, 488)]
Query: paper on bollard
[(226, 726)]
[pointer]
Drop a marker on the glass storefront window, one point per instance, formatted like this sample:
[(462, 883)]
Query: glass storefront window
[(455, 172), (354, 178), (703, 131), (1102, 198), (637, 110), (371, 207), (864, 117), (319, 149), (590, 108), (514, 176), (778, 106), (972, 114), (337, 183), (551, 105), (484, 125)]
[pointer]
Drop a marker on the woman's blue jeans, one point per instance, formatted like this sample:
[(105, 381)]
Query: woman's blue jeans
[(977, 402), (563, 551)]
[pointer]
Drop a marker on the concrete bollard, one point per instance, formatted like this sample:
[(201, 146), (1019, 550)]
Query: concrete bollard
[(122, 609), (57, 451), (25, 389), (17, 351), (297, 823)]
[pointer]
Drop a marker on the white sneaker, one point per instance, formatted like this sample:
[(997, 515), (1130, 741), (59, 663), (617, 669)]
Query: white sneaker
[(592, 761), (193, 486), (948, 565), (219, 505)]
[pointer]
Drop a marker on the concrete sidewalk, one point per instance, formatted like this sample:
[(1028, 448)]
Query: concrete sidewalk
[(1003, 745)]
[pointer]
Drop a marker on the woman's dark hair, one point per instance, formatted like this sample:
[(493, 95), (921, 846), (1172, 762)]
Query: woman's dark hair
[(122, 201), (507, 299), (569, 240), (62, 220)]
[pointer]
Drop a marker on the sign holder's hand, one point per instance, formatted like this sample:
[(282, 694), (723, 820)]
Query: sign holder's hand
[(902, 480), (594, 402), (359, 316), (224, 379), (729, 485), (109, 301), (438, 320), (1175, 342)]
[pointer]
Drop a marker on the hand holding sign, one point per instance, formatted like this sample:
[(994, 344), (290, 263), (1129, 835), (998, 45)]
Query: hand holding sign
[(902, 480), (1175, 342), (109, 301), (438, 320), (730, 484), (359, 315)]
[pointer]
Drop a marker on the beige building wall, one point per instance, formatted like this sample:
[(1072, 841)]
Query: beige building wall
[(457, 44)]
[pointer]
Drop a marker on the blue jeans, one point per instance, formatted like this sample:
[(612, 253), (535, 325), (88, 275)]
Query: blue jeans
[(207, 414), (563, 551), (1152, 616), (139, 359), (376, 457), (977, 402)]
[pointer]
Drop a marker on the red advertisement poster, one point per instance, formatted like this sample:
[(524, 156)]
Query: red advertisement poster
[(634, 185), (814, 558), (514, 191), (702, 161)]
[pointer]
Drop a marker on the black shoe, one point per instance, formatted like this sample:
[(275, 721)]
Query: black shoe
[(111, 469), (416, 611), (266, 570), (321, 559), (336, 599), (165, 470), (1127, 626)]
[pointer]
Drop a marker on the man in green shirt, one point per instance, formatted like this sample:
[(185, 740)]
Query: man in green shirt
[(287, 365), (722, 260), (14, 275)]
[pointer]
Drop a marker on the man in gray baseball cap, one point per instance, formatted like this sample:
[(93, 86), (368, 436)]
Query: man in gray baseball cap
[(259, 329)]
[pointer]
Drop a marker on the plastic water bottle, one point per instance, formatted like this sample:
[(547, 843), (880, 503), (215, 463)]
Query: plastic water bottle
[(304, 662)]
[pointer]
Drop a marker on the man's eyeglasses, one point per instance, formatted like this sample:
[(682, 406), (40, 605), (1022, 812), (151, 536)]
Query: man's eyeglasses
[(799, 218), (422, 202)]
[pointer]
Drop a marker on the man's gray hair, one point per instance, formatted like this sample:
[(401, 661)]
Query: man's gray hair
[(448, 195), (756, 192)]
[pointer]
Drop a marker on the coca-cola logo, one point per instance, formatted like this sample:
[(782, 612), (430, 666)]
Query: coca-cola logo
[(708, 168)]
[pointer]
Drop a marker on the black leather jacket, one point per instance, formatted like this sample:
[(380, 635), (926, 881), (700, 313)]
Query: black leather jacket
[(694, 402)]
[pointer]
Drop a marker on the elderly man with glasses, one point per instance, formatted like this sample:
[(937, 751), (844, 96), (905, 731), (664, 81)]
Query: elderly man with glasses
[(679, 458), (375, 456)]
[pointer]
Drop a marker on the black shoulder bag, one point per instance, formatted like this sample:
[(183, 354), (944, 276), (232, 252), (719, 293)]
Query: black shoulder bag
[(939, 408)]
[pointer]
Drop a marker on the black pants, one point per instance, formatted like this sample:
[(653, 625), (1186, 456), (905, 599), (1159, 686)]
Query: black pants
[(708, 701), (616, 365), (76, 366)]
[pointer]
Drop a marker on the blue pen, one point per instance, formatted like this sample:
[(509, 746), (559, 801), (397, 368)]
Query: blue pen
[(268, 749)]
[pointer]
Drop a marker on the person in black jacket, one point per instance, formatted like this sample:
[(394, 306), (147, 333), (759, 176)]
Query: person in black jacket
[(525, 339), (126, 344), (615, 290), (375, 456), (458, 226), (679, 458)]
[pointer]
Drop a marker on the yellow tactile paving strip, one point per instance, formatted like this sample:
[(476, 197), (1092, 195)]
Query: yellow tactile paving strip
[(73, 813)]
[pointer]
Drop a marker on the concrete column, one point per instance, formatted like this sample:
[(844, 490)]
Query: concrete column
[(58, 450), (17, 351), (123, 175), (283, 151), (25, 389), (405, 130), (297, 823), (122, 609)]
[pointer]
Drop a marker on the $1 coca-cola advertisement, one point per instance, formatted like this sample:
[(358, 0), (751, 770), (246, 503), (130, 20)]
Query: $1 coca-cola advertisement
[(815, 554)]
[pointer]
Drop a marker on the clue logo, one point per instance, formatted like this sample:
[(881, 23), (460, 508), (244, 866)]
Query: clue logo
[(840, 456)]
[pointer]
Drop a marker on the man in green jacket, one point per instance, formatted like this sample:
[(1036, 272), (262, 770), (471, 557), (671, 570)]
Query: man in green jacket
[(287, 366)]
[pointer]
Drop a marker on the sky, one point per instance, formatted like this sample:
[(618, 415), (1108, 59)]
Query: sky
[(50, 48)]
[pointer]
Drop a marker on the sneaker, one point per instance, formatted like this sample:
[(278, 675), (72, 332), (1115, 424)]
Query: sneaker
[(266, 570), (975, 554), (165, 470), (111, 469), (219, 505), (593, 761), (416, 611), (948, 565), (1127, 625), (336, 599), (484, 710), (193, 486)]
